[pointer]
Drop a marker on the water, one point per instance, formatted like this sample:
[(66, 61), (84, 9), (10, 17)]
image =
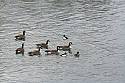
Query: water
[(95, 27)]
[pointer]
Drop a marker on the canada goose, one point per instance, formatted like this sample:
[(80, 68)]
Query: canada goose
[(65, 47), (20, 36), (44, 45), (20, 50)]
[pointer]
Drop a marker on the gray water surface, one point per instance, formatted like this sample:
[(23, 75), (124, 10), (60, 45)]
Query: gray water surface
[(95, 27)]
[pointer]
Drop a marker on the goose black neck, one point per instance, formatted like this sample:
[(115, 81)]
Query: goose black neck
[(70, 43), (24, 32), (47, 41), (57, 48), (22, 45), (39, 49)]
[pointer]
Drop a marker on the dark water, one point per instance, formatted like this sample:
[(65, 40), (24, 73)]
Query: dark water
[(96, 28)]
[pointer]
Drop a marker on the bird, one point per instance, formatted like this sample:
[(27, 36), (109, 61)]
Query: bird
[(43, 45), (64, 54), (65, 47), (64, 37), (20, 50), (52, 51), (77, 54), (34, 52), (20, 36)]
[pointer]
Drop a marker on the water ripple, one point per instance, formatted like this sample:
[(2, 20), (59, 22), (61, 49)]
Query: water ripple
[(95, 27)]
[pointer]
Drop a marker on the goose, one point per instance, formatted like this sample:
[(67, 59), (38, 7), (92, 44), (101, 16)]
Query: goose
[(65, 47), (52, 51), (44, 45), (20, 36), (64, 37), (34, 52), (20, 50), (77, 54)]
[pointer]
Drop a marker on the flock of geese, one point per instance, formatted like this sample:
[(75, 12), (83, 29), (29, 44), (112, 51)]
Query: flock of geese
[(45, 46)]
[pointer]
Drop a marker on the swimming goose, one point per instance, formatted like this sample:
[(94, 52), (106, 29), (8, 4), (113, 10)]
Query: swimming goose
[(52, 51), (77, 54), (65, 47), (20, 50), (34, 52), (44, 45), (20, 36), (64, 37)]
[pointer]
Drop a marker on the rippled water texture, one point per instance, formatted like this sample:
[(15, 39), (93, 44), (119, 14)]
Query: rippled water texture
[(95, 27)]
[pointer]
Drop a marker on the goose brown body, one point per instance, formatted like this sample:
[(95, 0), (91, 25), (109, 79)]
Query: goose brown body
[(34, 52), (52, 51)]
